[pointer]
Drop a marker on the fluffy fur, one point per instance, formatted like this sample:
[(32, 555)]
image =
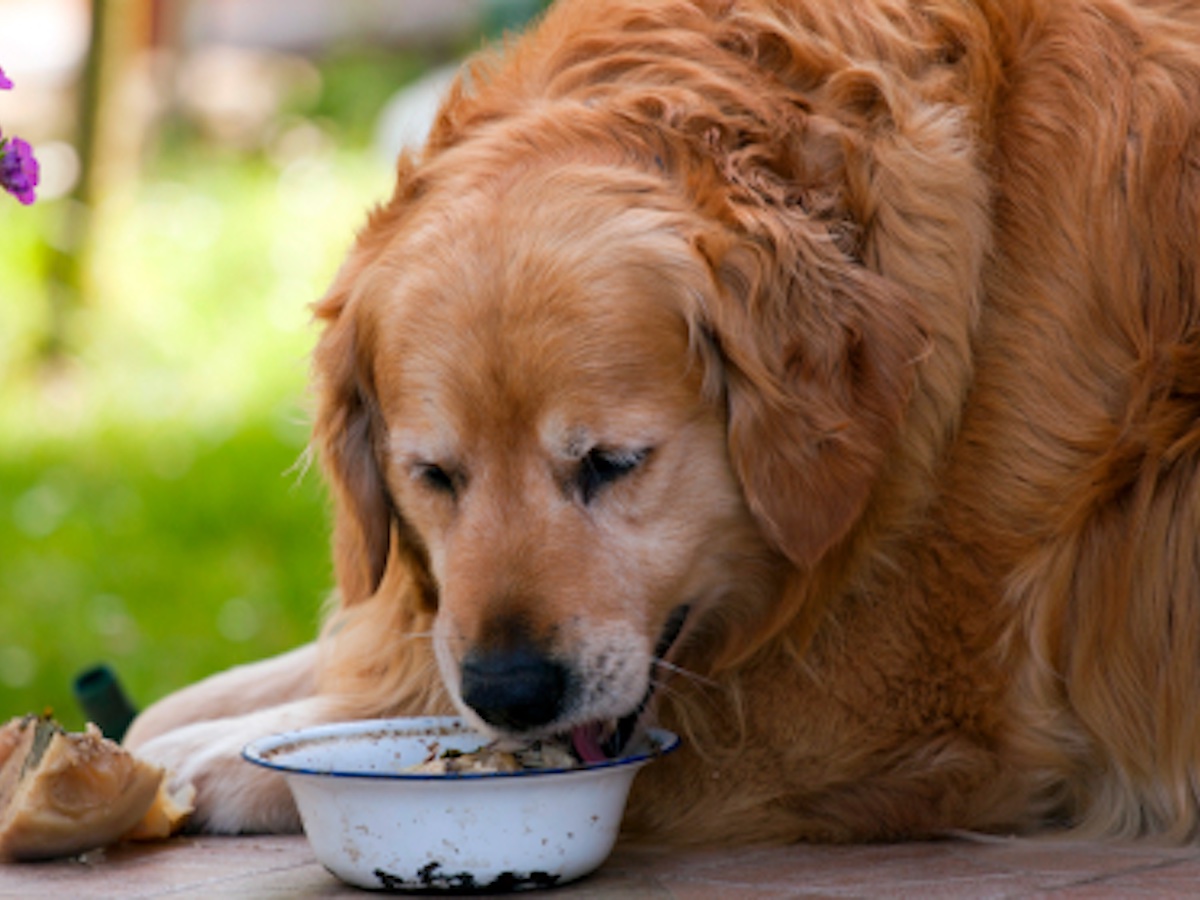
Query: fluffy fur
[(891, 307)]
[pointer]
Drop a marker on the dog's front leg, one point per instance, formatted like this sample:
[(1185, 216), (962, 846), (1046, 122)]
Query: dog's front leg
[(232, 795), (260, 685)]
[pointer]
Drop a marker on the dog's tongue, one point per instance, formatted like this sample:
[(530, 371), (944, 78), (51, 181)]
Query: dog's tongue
[(586, 740)]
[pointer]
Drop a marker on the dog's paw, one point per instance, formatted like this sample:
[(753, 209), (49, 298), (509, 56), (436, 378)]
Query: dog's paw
[(232, 795)]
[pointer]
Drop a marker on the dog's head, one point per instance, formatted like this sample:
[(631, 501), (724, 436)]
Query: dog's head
[(595, 416)]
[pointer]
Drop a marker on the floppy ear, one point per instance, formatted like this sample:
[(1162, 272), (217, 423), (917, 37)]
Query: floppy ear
[(819, 356), (818, 350), (346, 430), (369, 534)]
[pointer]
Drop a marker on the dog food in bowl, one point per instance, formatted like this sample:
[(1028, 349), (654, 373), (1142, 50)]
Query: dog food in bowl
[(493, 758), (375, 819)]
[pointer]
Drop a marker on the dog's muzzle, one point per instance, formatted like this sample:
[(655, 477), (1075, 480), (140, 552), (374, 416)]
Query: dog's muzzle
[(518, 689), (594, 743)]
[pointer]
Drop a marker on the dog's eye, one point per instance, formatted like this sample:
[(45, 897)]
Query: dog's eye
[(436, 478), (601, 467)]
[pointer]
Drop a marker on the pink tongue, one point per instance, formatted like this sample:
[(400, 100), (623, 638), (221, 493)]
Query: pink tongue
[(586, 740)]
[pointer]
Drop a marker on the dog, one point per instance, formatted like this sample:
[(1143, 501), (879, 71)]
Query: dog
[(821, 380)]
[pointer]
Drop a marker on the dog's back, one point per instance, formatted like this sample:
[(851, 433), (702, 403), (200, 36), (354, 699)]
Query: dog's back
[(1077, 474)]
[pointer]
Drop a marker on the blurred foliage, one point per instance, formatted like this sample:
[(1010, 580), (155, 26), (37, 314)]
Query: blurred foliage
[(169, 556), (155, 507), (357, 82)]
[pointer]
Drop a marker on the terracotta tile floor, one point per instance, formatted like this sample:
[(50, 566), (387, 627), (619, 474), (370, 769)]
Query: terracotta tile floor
[(284, 867)]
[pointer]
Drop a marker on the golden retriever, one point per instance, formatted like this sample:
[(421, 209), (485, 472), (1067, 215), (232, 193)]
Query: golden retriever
[(833, 366)]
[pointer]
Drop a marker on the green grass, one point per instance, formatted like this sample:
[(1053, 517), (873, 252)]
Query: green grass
[(152, 514), (167, 558)]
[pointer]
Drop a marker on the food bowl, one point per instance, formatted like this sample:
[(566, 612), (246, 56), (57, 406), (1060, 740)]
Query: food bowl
[(376, 826)]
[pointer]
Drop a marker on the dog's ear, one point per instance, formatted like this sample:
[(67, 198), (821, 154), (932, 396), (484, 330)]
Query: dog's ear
[(819, 359), (818, 349), (346, 431), (369, 533)]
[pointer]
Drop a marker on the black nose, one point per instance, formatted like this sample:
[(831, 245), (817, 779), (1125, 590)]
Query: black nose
[(516, 689)]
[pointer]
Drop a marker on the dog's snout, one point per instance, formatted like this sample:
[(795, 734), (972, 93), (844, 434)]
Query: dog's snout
[(515, 689)]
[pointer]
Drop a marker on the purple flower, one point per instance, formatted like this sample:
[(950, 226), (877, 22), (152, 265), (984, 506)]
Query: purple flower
[(18, 169)]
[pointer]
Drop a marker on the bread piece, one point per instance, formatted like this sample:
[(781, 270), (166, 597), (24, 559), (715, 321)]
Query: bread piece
[(62, 794), (166, 815)]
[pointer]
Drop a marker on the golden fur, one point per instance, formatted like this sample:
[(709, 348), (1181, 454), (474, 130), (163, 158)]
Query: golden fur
[(901, 298)]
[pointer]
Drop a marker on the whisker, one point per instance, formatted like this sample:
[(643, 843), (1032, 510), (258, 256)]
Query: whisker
[(299, 469), (428, 635), (682, 672)]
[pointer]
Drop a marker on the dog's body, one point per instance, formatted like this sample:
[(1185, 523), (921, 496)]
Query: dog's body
[(857, 342)]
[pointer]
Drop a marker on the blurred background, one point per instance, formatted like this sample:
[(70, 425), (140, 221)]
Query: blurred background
[(205, 164)]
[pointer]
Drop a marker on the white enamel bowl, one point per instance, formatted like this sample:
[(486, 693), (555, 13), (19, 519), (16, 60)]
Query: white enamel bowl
[(375, 826)]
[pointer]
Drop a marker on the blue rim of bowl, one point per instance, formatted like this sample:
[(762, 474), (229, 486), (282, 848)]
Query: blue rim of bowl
[(663, 741)]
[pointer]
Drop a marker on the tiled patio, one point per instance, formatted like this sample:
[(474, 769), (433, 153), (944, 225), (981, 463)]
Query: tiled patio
[(284, 867)]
